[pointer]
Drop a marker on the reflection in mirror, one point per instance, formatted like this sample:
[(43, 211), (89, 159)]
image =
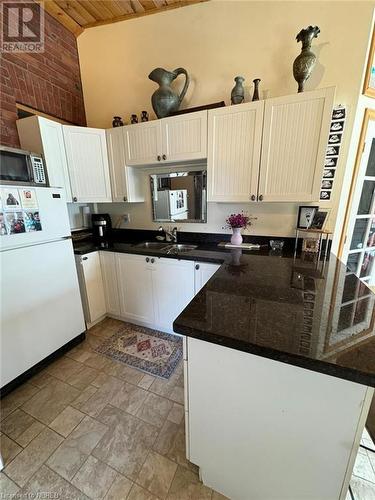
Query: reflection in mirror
[(179, 196)]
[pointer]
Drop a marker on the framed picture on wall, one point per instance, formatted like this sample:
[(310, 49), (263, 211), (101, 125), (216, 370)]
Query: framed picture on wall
[(369, 83), (306, 216)]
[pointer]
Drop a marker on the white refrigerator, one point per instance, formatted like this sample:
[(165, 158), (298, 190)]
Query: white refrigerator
[(41, 308)]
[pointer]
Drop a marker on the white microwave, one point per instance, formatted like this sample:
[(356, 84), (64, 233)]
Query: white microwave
[(22, 167)]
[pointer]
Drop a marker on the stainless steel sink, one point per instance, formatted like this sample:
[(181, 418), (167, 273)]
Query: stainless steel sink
[(179, 248), (157, 245)]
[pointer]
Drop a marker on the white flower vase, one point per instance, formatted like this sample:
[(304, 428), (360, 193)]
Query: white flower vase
[(236, 238)]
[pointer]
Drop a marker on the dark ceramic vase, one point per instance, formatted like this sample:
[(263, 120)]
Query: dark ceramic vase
[(305, 62), (144, 116), (238, 92), (165, 100), (134, 119), (117, 121), (256, 89)]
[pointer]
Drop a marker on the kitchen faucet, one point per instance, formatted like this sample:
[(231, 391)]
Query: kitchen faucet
[(170, 235)]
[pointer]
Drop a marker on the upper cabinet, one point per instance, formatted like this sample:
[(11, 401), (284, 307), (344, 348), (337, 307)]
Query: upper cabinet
[(45, 137), (234, 145), (86, 152), (126, 182), (184, 137), (295, 134), (270, 150), (173, 139), (143, 143)]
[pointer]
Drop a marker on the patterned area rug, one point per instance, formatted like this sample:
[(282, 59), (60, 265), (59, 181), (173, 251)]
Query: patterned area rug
[(148, 350)]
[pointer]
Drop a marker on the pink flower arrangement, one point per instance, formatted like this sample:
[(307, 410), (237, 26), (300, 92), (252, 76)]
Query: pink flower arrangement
[(238, 221)]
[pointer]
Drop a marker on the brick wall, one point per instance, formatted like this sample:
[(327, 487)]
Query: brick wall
[(49, 82)]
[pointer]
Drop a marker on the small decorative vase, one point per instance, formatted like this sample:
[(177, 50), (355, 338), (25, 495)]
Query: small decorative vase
[(238, 92), (236, 238), (305, 62), (256, 89), (134, 119), (144, 116), (117, 121)]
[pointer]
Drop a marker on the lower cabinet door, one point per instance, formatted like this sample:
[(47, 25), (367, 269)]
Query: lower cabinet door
[(135, 288), (202, 273), (110, 282), (93, 285), (173, 289)]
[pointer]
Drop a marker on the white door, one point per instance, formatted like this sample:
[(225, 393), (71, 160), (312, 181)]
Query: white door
[(173, 289), (41, 306), (110, 282), (126, 182), (117, 163), (184, 137), (135, 288), (45, 137), (295, 135), (92, 287), (86, 151), (202, 273), (142, 143), (234, 145)]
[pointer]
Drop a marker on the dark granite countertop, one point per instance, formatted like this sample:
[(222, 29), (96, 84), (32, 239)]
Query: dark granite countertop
[(315, 316)]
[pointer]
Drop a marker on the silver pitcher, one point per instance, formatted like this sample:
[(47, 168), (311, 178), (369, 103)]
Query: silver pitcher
[(164, 100)]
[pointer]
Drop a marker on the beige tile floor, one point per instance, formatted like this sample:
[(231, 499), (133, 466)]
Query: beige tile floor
[(90, 427)]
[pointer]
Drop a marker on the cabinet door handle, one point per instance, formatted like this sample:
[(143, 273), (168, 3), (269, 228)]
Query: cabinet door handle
[(159, 158), (84, 258), (152, 261), (164, 157), (261, 197), (197, 266), (147, 259), (125, 198), (75, 198), (253, 197)]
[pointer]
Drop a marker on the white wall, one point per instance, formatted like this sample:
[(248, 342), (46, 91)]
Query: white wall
[(215, 41)]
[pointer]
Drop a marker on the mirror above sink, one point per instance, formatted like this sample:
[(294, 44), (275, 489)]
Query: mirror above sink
[(179, 196)]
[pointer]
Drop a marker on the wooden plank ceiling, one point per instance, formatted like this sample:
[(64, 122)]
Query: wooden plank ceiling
[(77, 15)]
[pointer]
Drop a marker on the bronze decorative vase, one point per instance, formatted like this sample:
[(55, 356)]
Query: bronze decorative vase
[(305, 62), (165, 100), (256, 89)]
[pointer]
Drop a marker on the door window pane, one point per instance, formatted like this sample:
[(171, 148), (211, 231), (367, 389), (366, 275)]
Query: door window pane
[(353, 260), (353, 288), (367, 264), (370, 171), (361, 311), (359, 234), (367, 196), (371, 236)]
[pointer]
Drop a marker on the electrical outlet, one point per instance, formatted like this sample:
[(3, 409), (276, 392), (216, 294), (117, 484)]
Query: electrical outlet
[(126, 218)]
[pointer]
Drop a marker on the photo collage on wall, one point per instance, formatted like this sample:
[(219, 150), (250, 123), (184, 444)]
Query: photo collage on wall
[(332, 153), (19, 212)]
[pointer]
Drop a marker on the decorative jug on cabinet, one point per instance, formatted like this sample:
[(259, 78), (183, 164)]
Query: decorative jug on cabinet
[(164, 100), (305, 62)]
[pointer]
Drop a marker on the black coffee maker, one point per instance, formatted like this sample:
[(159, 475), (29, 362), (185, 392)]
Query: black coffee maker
[(101, 226)]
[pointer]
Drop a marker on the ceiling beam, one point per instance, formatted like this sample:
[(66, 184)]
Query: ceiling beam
[(176, 5), (57, 13)]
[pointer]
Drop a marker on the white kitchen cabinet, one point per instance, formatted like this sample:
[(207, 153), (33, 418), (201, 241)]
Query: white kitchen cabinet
[(110, 282), (234, 146), (126, 182), (142, 143), (173, 289), (91, 286), (135, 288), (184, 137), (173, 139), (295, 134), (202, 273), (153, 291), (86, 152), (43, 136)]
